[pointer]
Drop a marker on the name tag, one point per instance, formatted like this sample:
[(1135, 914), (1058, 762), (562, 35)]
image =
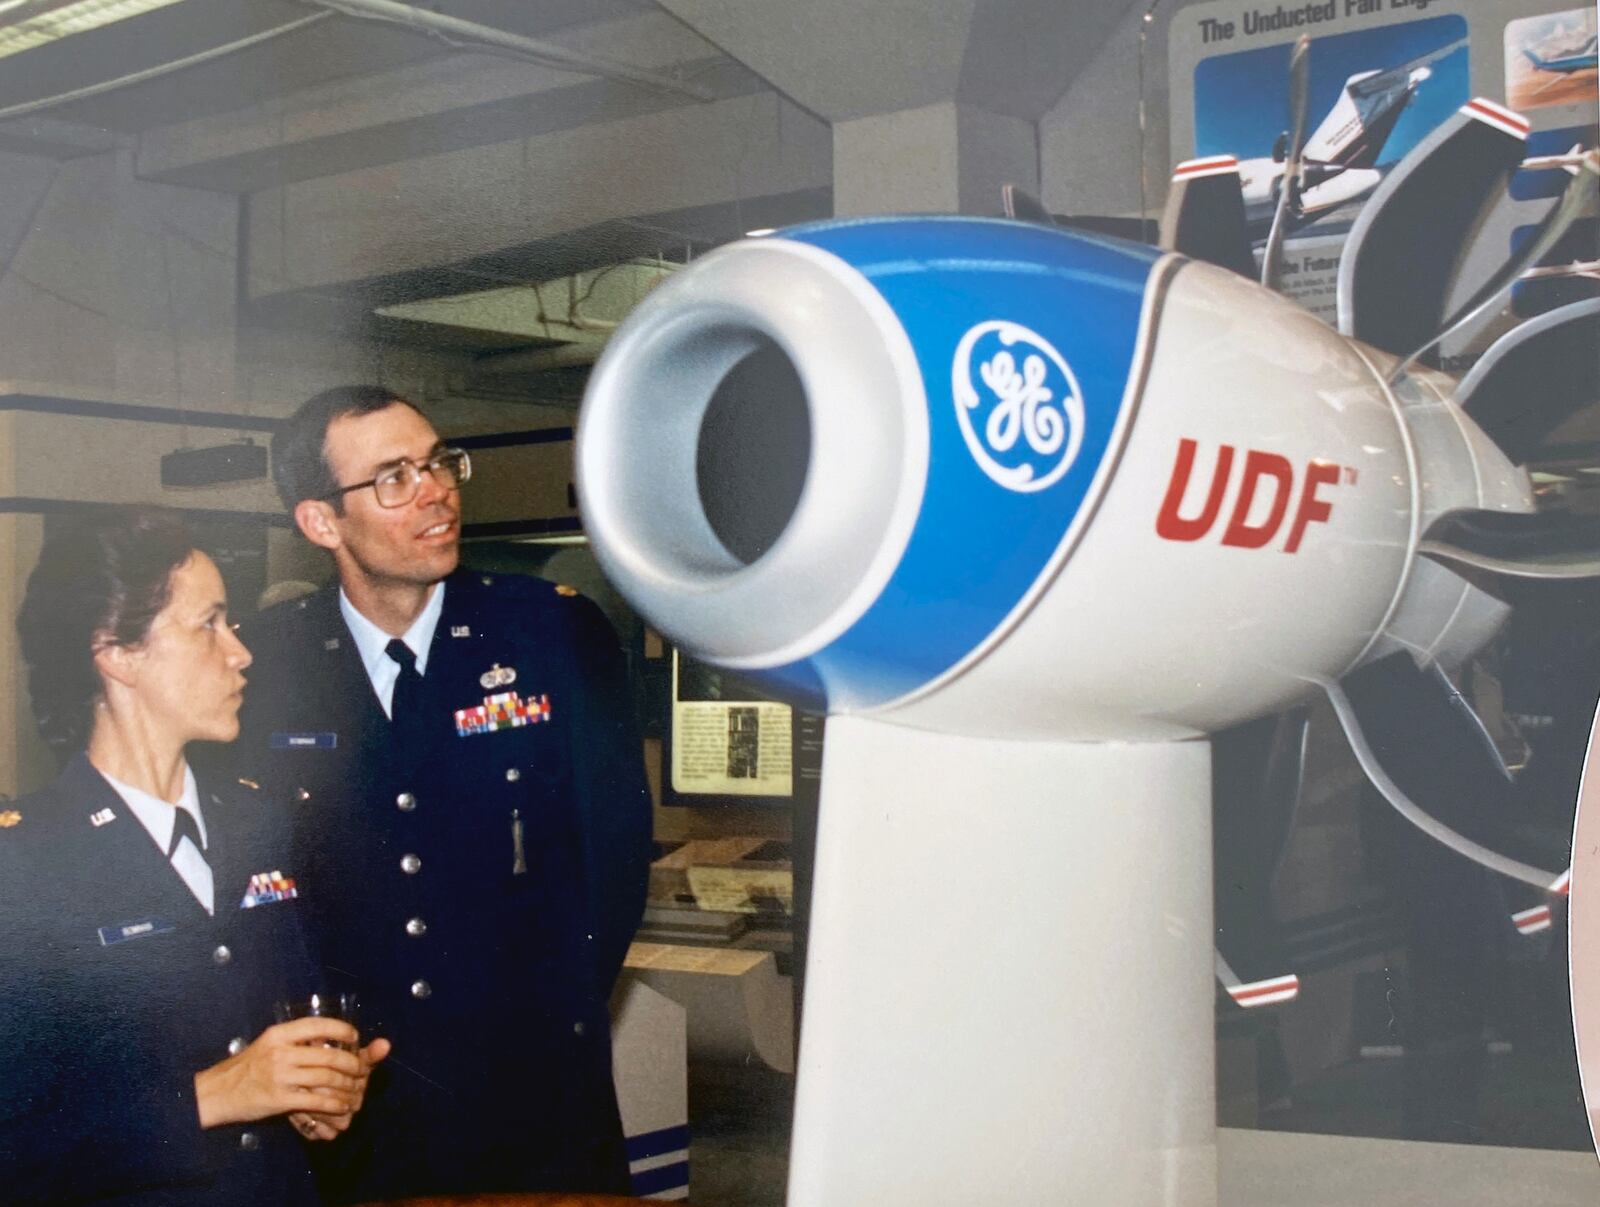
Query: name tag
[(142, 929), (305, 741)]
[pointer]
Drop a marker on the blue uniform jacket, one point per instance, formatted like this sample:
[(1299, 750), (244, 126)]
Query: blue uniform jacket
[(118, 988), (477, 880)]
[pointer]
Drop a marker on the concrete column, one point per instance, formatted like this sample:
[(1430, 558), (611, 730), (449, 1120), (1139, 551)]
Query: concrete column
[(942, 158), (1090, 139)]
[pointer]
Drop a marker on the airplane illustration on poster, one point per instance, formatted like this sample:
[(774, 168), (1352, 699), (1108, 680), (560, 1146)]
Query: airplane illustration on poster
[(1391, 86)]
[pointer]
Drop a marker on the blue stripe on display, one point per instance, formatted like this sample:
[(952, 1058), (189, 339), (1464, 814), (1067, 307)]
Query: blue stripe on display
[(653, 1144), (668, 1177), (137, 413), (199, 515)]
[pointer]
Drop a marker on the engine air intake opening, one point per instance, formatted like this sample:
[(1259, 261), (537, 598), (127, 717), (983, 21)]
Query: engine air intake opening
[(754, 450)]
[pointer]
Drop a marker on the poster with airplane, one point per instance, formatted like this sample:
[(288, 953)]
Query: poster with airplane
[(1551, 60), (1373, 94)]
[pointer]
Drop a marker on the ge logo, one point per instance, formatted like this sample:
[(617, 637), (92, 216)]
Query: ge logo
[(1018, 405)]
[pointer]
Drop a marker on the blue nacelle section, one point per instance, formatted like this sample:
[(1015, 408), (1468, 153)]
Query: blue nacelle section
[(1027, 340)]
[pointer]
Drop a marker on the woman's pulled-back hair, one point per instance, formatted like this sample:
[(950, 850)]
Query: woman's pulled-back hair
[(101, 580)]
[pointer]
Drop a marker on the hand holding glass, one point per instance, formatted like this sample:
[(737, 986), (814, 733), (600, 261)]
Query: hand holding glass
[(342, 1006)]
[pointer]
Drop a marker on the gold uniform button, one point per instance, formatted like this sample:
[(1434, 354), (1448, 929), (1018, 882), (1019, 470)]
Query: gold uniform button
[(236, 1045), (416, 928), (513, 774), (410, 864), (405, 802), (221, 955), (421, 990), (249, 1141)]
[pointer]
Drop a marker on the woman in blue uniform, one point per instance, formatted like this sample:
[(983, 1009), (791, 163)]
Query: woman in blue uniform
[(148, 921)]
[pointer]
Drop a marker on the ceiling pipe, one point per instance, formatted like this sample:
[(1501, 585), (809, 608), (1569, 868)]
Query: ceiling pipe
[(160, 69), (471, 35)]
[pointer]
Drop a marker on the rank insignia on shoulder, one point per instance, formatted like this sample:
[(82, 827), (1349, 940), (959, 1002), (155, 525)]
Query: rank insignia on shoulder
[(100, 818), (267, 887), (251, 784), (506, 710), (497, 676), (10, 818), (563, 589), (461, 630)]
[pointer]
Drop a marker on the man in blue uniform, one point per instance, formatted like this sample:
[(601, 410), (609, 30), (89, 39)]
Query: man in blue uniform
[(471, 809)]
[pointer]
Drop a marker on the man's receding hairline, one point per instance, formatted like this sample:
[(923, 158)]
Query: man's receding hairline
[(394, 401)]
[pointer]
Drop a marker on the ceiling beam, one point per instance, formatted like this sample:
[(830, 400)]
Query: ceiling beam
[(54, 139), (424, 109), (453, 31)]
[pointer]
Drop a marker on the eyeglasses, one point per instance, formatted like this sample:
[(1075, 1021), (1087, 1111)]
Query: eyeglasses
[(398, 484)]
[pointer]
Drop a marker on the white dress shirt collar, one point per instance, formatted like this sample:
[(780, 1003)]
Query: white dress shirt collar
[(372, 642), (158, 818)]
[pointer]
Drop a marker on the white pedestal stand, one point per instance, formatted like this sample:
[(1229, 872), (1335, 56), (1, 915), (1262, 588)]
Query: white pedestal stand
[(1009, 992)]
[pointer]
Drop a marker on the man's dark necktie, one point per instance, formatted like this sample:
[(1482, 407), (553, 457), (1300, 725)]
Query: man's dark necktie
[(404, 705)]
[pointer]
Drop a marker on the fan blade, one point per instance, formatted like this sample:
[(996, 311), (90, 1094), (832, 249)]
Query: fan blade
[(1493, 293), (1535, 377), (1204, 217), (1543, 545), (1406, 246), (1289, 193), (1256, 773), (1530, 912), (1469, 806), (1016, 202), (1265, 991), (1472, 726)]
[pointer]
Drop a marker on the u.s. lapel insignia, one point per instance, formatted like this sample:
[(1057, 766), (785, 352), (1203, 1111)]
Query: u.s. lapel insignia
[(10, 818), (100, 818), (461, 630), (331, 643), (504, 710), (497, 676), (267, 887), (563, 589)]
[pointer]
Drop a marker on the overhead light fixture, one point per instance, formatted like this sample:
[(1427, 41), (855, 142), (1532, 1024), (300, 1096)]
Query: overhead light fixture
[(25, 24)]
